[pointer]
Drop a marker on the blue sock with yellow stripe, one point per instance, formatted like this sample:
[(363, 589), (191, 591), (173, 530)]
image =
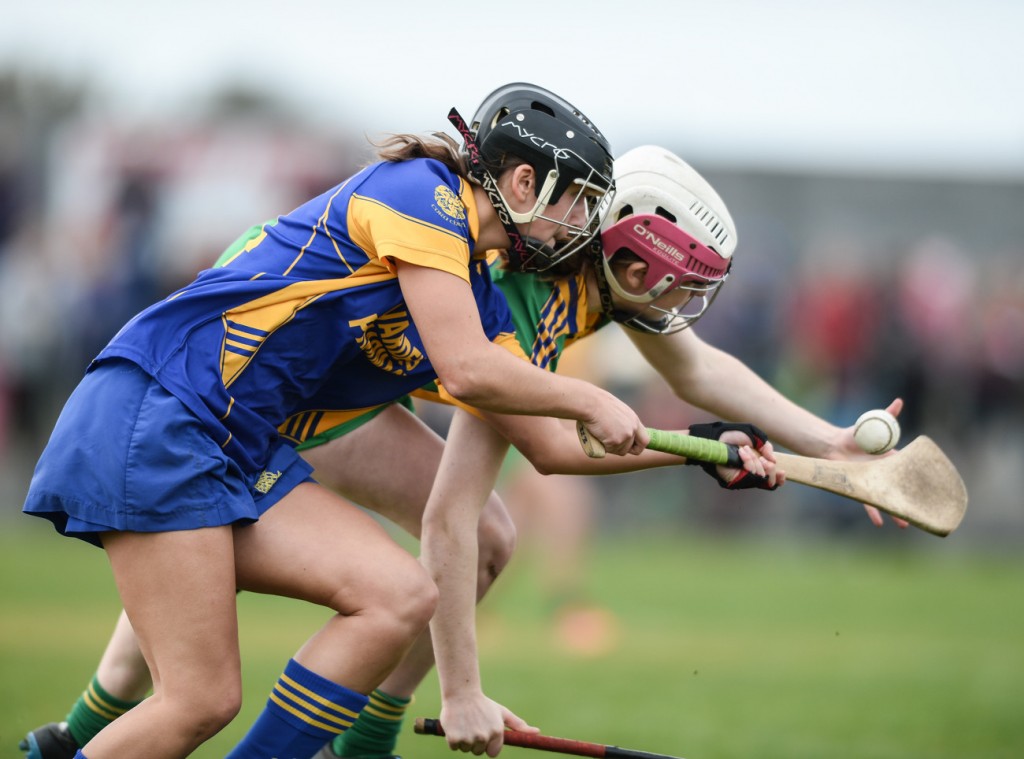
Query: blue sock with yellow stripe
[(303, 713)]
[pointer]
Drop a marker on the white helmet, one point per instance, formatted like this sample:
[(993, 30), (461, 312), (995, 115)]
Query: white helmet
[(667, 216)]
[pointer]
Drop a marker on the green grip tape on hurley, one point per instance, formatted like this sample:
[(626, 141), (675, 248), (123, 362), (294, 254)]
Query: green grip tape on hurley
[(699, 448)]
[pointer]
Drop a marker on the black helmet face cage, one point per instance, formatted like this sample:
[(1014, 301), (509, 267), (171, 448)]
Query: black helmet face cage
[(578, 223), (567, 152), (578, 165)]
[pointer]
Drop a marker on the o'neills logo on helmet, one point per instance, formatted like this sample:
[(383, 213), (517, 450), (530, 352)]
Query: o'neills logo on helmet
[(540, 142), (648, 236)]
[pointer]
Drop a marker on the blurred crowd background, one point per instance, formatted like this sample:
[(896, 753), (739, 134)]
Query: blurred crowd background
[(847, 291)]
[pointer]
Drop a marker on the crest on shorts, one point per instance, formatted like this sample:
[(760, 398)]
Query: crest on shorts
[(266, 481)]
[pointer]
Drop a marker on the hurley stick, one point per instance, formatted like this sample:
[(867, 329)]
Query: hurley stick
[(918, 483), (548, 743)]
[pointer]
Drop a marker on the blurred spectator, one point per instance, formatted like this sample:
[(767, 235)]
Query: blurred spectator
[(114, 216), (1001, 381)]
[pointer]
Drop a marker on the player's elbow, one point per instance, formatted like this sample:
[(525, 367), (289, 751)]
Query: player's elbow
[(466, 382), (464, 387), (549, 444), (542, 457)]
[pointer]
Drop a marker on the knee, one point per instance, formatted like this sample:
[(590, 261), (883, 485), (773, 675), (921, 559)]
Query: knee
[(218, 715), (413, 605), (206, 709), (497, 540), (419, 599), (399, 607)]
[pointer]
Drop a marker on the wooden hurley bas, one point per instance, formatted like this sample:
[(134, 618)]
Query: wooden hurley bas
[(918, 483)]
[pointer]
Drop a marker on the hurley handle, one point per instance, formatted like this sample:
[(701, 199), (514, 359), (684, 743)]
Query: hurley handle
[(697, 448)]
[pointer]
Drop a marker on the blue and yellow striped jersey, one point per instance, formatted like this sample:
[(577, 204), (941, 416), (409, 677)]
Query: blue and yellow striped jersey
[(549, 315), (310, 306)]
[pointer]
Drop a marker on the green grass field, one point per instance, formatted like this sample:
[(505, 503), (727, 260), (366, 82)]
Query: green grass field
[(730, 648)]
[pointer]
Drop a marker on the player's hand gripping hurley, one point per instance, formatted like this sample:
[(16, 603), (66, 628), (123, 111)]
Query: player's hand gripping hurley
[(549, 743), (918, 483)]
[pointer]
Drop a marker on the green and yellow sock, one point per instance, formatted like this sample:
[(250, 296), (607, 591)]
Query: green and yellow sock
[(93, 711), (375, 733)]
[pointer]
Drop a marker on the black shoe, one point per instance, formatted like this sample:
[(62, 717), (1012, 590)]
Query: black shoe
[(52, 741)]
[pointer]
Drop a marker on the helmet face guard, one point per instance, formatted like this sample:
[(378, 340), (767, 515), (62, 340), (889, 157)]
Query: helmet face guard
[(567, 153), (592, 196), (682, 278), (669, 220)]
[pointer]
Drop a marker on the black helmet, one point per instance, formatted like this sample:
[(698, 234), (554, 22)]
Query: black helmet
[(564, 148)]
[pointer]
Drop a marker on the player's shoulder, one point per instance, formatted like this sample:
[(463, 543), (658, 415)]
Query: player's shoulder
[(420, 189), (409, 176)]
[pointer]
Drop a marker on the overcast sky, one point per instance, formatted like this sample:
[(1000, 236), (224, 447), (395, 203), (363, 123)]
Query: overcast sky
[(880, 85)]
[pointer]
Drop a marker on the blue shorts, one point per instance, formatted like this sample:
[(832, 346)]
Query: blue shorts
[(126, 455)]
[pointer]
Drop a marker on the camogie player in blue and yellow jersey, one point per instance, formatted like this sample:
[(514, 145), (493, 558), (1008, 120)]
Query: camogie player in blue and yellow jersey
[(167, 453)]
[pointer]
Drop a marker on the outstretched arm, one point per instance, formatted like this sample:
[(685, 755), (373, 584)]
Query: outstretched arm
[(553, 447), (472, 458), (724, 386)]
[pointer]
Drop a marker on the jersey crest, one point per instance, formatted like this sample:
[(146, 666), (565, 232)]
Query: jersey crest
[(449, 204)]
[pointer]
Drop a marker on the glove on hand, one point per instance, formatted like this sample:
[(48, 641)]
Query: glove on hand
[(745, 479)]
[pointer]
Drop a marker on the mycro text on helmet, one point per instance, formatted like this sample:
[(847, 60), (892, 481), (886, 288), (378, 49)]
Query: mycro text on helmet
[(540, 142)]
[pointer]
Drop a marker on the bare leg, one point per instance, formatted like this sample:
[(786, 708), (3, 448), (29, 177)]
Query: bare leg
[(178, 590), (122, 670), (352, 465), (495, 551), (314, 546)]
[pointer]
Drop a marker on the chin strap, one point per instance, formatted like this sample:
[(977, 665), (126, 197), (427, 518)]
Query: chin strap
[(603, 290), (517, 251)]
